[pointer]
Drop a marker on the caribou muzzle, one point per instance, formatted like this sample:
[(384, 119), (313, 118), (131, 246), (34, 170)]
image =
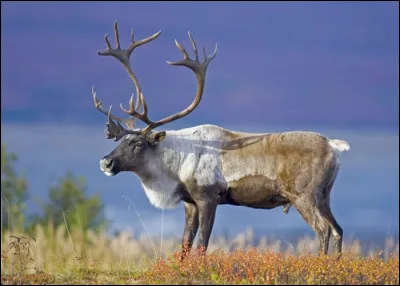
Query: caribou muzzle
[(108, 166)]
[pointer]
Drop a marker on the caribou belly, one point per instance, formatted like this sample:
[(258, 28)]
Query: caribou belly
[(254, 191)]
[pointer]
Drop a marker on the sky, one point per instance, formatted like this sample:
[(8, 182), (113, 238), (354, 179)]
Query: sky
[(329, 67)]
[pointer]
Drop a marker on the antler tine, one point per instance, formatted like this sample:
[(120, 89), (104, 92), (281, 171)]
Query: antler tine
[(134, 44), (108, 45), (194, 47), (100, 108), (182, 49), (113, 130), (144, 104), (117, 45), (133, 111), (208, 59)]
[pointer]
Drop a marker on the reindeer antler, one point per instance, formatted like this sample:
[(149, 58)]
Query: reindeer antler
[(116, 131)]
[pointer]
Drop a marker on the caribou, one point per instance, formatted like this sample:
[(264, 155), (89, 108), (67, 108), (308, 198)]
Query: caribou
[(207, 165)]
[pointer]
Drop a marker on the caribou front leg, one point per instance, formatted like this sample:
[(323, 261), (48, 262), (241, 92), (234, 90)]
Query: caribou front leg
[(191, 227), (207, 210)]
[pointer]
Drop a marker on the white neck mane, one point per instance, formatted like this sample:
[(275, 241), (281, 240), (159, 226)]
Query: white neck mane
[(182, 155)]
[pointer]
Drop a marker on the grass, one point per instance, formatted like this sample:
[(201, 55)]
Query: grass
[(55, 256)]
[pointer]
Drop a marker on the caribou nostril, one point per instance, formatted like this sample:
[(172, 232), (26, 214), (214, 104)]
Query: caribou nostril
[(109, 163)]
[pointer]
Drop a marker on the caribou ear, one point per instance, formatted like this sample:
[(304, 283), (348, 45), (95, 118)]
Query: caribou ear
[(157, 137)]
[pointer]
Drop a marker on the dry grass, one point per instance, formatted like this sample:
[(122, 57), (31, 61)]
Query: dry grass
[(55, 256)]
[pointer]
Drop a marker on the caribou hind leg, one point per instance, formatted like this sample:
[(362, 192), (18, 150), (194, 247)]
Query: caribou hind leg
[(337, 231), (326, 213), (315, 210), (309, 210)]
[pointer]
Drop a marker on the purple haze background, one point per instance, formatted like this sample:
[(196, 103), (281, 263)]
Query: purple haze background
[(330, 67)]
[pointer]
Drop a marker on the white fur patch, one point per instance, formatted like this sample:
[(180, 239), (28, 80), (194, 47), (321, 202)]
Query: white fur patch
[(162, 193), (339, 145), (249, 166), (105, 171), (194, 153), (334, 232), (159, 187)]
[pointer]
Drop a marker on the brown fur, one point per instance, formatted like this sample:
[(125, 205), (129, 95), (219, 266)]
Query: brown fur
[(283, 169)]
